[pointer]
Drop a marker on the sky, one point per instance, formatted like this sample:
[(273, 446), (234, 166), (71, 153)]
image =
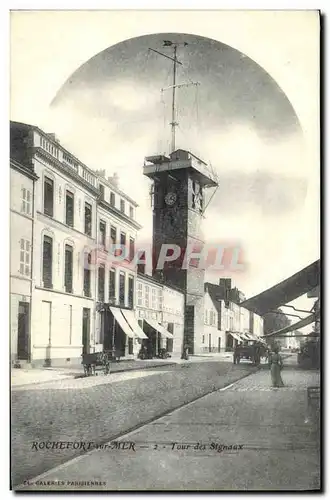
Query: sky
[(253, 116)]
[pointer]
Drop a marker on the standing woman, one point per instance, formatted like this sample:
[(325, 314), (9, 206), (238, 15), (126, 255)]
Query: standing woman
[(276, 365)]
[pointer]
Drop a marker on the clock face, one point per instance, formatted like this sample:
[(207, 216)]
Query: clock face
[(170, 198)]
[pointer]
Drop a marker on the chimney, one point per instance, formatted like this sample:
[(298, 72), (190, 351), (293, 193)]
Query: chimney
[(115, 179), (100, 173), (53, 137), (225, 283)]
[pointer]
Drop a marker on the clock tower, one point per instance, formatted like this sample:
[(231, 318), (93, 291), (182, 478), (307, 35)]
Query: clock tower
[(179, 184)]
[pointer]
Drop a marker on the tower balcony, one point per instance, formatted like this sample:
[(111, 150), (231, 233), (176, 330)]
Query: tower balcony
[(177, 161)]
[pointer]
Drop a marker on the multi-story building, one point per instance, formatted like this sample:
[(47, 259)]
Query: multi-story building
[(116, 269), (75, 215), (226, 322), (160, 313), (22, 182)]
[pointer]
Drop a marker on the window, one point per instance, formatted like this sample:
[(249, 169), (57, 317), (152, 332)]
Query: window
[(131, 249), (122, 289), (123, 244), (146, 298), (131, 212), (113, 235), (69, 208), (101, 192), (68, 268), (139, 294), (130, 292), (47, 263), (122, 205), (205, 317), (112, 199), (153, 298), (26, 201), (123, 239), (25, 257), (88, 219), (87, 275), (112, 286), (101, 278), (203, 339), (102, 236), (48, 197), (160, 299)]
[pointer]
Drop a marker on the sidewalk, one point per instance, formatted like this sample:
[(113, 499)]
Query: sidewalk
[(21, 376)]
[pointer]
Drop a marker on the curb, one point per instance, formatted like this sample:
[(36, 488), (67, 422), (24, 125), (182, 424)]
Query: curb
[(82, 375), (130, 369)]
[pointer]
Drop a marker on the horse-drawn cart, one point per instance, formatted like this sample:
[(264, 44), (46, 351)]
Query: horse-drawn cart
[(92, 360)]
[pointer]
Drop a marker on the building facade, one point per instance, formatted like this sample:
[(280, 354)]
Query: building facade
[(226, 323), (160, 313), (71, 279), (22, 182)]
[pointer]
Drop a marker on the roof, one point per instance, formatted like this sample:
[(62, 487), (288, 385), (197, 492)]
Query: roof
[(214, 292), (286, 291), (90, 170)]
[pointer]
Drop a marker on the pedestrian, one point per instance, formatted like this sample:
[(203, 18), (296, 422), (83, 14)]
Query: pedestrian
[(276, 365), (237, 355)]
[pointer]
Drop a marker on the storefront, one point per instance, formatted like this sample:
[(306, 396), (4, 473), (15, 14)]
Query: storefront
[(120, 331)]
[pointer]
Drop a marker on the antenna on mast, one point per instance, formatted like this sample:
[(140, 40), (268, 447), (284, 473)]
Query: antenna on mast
[(174, 45)]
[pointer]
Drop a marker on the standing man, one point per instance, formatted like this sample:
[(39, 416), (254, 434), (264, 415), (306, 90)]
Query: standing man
[(237, 355)]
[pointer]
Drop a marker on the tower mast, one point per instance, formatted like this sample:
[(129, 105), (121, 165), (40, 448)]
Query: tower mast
[(173, 123), (175, 45)]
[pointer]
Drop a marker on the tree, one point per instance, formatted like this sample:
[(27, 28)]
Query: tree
[(274, 321)]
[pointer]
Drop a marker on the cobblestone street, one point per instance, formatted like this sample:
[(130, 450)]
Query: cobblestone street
[(275, 443), (100, 408)]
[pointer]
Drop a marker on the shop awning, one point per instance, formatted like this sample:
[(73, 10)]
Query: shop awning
[(132, 321), (159, 328), (237, 337), (122, 321), (300, 324), (245, 336)]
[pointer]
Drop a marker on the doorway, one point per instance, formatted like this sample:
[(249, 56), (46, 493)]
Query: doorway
[(219, 344), (210, 342), (23, 331), (86, 324)]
